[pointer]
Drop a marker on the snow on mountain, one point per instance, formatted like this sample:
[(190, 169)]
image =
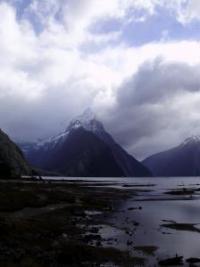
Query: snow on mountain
[(53, 140), (87, 120), (194, 139), (89, 126)]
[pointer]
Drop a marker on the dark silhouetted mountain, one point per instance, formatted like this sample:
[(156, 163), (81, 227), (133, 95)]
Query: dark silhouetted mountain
[(183, 160), (12, 161), (84, 149)]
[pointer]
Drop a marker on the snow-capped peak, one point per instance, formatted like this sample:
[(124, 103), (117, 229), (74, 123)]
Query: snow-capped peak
[(85, 118), (88, 121), (195, 139)]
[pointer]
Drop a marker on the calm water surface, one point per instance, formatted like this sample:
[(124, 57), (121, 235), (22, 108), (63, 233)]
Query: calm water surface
[(138, 220)]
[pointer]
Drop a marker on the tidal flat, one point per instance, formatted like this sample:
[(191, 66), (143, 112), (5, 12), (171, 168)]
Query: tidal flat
[(100, 222)]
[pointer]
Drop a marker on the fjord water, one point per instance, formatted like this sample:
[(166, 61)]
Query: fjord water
[(139, 220)]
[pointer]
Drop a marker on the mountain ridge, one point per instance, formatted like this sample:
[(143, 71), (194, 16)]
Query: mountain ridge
[(12, 161), (88, 122), (182, 160)]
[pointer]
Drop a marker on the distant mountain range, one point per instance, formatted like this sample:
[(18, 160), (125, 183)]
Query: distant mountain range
[(84, 149), (183, 160), (12, 161)]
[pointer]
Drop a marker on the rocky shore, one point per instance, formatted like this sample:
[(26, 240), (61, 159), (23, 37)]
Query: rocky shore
[(58, 224)]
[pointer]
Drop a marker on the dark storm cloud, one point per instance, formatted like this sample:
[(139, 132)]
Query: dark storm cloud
[(157, 107), (157, 81)]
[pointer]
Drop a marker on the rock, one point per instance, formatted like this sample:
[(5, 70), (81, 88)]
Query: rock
[(178, 260), (193, 260)]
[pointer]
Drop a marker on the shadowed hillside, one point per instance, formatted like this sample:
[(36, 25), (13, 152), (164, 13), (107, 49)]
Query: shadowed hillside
[(12, 161)]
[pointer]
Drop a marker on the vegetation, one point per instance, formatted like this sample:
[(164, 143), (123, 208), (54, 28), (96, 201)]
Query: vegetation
[(12, 161)]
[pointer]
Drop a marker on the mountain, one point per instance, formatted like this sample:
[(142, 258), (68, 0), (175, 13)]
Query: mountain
[(12, 161), (84, 149), (183, 160)]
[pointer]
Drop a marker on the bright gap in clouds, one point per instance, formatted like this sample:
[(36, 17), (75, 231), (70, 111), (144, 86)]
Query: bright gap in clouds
[(58, 57)]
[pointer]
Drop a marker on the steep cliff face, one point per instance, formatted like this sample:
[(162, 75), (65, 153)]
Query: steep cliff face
[(84, 145), (82, 154), (12, 161)]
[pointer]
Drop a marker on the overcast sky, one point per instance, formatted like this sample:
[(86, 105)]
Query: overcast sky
[(136, 63)]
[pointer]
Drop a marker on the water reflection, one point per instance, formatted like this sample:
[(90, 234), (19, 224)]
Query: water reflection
[(141, 221)]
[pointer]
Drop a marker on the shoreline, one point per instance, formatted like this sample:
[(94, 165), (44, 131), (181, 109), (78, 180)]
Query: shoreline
[(49, 224), (92, 223)]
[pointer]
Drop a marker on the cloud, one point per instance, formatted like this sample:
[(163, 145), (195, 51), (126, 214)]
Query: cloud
[(190, 12), (73, 19), (46, 77), (157, 107)]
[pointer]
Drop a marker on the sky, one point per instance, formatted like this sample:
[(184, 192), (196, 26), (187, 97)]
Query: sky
[(135, 63)]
